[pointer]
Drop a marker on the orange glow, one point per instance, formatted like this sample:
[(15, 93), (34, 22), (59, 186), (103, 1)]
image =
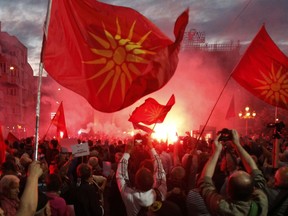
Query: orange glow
[(61, 134), (165, 131)]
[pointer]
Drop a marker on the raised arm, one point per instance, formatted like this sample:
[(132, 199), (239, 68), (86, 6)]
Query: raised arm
[(246, 159), (29, 198), (209, 168)]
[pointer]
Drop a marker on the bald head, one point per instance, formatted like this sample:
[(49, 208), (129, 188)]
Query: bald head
[(281, 177), (240, 185)]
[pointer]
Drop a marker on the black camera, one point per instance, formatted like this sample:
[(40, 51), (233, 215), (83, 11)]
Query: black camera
[(278, 126), (225, 135)]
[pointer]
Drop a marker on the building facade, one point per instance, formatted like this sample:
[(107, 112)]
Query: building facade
[(18, 88)]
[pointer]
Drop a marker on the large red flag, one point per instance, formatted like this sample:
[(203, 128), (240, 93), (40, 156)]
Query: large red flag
[(263, 70), (110, 55), (151, 111), (59, 121)]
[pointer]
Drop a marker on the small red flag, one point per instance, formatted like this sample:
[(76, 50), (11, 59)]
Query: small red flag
[(231, 109), (11, 137), (151, 111), (2, 147), (263, 70), (110, 55), (59, 121)]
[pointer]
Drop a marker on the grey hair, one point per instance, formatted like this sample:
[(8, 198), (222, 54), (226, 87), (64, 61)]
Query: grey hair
[(7, 180)]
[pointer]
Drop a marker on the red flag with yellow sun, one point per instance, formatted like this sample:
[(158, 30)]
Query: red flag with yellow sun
[(263, 70), (111, 55)]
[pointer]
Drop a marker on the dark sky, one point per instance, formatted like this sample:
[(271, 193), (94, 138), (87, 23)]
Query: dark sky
[(196, 87)]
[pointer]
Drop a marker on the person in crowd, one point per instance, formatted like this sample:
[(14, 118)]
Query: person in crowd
[(52, 151), (115, 203), (177, 187), (194, 202), (148, 186), (57, 204), (29, 198), (9, 190), (278, 194), (244, 189), (43, 205), (94, 163), (86, 197)]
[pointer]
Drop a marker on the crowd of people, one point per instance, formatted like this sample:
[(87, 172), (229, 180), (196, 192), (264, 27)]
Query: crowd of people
[(230, 175)]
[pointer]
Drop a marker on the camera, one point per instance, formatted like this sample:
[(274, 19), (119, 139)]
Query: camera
[(225, 135), (278, 126)]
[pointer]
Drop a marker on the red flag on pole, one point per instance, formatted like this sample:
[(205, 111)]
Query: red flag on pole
[(263, 70), (2, 147), (231, 109), (110, 55), (151, 111), (59, 121)]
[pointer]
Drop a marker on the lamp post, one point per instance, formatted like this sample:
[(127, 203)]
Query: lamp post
[(246, 114)]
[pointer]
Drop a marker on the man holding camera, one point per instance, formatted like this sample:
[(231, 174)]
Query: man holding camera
[(244, 189)]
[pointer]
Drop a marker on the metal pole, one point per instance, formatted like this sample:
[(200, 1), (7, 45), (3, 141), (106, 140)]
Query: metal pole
[(38, 112)]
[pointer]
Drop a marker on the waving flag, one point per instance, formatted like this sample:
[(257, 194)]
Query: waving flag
[(59, 121), (231, 109), (151, 111), (110, 55), (263, 71)]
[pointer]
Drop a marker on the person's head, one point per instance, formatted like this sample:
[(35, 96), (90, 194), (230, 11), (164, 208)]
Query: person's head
[(177, 173), (84, 171), (118, 157), (281, 177), (240, 186), (9, 167), (144, 179), (53, 144), (93, 161), (53, 182), (9, 186), (148, 163)]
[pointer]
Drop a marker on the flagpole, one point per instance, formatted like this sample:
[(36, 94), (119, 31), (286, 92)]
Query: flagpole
[(203, 129), (39, 87), (38, 111), (276, 114)]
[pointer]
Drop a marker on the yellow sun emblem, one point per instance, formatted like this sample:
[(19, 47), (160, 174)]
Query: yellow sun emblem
[(153, 113), (119, 57), (275, 85)]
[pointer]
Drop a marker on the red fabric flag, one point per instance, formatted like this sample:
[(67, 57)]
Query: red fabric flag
[(59, 121), (231, 109), (151, 111), (138, 126), (110, 55), (12, 138), (263, 70), (2, 147)]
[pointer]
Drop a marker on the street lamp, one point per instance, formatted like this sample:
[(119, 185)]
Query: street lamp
[(247, 114)]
